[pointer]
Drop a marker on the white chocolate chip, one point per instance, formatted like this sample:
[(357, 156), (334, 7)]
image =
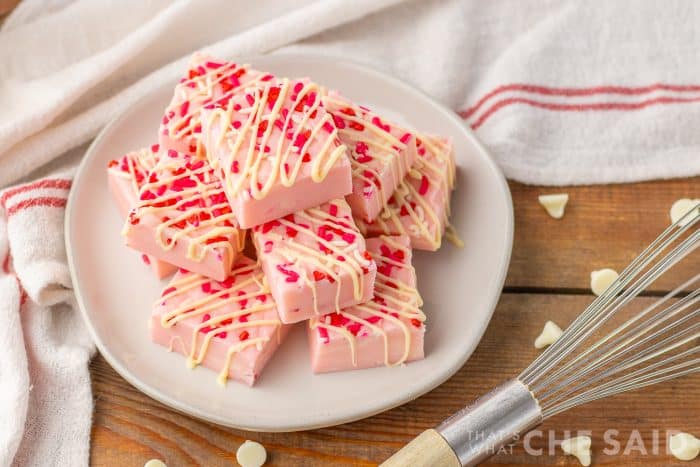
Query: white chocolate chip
[(554, 204), (684, 446), (682, 207), (251, 454), (601, 280), (155, 463), (549, 335), (579, 447)]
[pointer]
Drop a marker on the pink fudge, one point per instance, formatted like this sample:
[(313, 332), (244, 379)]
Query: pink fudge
[(315, 261), (420, 206), (125, 176), (229, 326), (388, 330), (276, 149), (182, 217), (381, 153), (207, 80)]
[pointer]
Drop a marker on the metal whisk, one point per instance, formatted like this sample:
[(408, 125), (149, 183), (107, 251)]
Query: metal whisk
[(610, 348)]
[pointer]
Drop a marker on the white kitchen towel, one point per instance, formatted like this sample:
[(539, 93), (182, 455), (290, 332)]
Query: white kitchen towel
[(559, 91), (45, 394)]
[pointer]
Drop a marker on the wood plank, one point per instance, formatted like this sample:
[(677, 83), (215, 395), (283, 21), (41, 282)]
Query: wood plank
[(604, 226), (130, 428)]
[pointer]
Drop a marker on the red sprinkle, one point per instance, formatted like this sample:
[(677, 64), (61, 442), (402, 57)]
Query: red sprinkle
[(333, 210), (292, 276), (184, 108), (243, 335), (319, 276), (424, 185)]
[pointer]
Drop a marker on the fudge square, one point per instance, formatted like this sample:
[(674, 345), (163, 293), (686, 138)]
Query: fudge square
[(388, 330), (125, 176), (315, 261), (381, 153), (420, 206), (229, 326), (182, 217), (276, 149), (207, 80)]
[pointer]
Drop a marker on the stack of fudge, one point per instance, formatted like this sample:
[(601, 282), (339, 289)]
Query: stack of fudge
[(273, 201)]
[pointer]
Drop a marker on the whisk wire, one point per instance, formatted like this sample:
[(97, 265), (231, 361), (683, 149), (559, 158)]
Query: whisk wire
[(645, 349)]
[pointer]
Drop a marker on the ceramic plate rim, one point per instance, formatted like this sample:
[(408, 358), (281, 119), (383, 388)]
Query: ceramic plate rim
[(406, 396)]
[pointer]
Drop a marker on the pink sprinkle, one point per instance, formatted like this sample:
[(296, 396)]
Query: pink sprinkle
[(183, 109), (298, 87), (333, 210), (155, 148), (266, 78), (268, 246), (323, 333), (404, 139), (172, 153), (236, 124), (339, 122), (348, 237), (328, 126), (213, 65), (250, 99), (145, 259), (310, 98), (206, 317), (233, 81), (206, 287)]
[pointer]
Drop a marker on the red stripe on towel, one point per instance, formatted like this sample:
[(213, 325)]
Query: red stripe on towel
[(35, 202), (597, 106), (61, 184), (575, 92)]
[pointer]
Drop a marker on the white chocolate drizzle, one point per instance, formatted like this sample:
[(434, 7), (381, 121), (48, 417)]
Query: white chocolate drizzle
[(187, 201), (373, 146), (208, 80), (394, 300), (268, 135), (236, 306), (413, 209), (135, 166), (317, 244)]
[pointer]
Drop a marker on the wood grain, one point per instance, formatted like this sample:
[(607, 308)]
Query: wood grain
[(130, 428), (604, 226)]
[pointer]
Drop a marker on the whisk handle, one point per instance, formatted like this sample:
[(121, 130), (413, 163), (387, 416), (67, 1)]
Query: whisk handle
[(476, 432), (428, 449)]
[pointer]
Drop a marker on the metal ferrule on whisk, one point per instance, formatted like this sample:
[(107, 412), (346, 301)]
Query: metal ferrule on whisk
[(478, 431)]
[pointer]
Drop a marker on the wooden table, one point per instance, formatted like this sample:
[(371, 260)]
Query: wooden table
[(604, 226)]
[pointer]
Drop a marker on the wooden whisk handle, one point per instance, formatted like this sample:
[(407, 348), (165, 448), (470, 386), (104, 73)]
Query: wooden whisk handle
[(428, 449)]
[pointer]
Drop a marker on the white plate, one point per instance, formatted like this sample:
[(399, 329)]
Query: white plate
[(460, 287)]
